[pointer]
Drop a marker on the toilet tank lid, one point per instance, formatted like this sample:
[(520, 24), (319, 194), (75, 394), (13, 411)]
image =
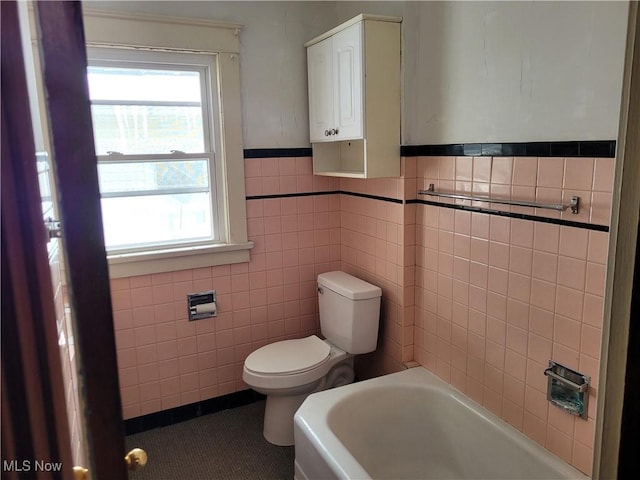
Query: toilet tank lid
[(348, 286)]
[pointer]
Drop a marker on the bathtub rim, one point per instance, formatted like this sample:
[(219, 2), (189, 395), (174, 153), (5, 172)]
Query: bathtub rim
[(311, 425)]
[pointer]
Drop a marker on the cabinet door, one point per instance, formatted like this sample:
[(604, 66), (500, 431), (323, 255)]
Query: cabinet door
[(348, 83), (320, 72)]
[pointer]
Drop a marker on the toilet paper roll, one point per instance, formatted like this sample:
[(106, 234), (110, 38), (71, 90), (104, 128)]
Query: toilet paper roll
[(206, 308)]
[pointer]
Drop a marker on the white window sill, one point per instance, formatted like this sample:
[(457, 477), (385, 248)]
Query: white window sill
[(170, 260)]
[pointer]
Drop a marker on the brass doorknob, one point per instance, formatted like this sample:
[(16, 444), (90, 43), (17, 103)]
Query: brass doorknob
[(80, 473), (136, 458)]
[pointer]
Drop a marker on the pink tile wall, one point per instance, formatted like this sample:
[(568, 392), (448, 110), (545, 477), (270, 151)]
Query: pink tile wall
[(165, 361), (484, 301), (378, 246), (496, 297)]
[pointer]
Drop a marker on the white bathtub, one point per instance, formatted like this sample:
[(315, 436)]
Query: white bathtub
[(412, 425)]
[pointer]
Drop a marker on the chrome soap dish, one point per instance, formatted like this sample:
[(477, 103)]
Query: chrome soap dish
[(568, 389)]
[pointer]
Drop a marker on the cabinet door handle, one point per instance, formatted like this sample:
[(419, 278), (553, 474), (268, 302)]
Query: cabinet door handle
[(333, 131), (327, 133)]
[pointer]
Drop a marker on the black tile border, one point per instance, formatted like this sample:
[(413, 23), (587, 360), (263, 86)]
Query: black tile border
[(579, 148), (587, 148), (291, 195), (328, 192), (277, 152), (520, 216), (187, 412), (373, 197), (597, 149)]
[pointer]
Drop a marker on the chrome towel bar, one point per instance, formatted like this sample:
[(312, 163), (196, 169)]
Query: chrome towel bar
[(574, 205)]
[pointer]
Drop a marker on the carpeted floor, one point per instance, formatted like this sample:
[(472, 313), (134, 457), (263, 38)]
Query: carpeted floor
[(224, 445)]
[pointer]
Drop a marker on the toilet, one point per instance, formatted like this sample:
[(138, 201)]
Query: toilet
[(290, 370)]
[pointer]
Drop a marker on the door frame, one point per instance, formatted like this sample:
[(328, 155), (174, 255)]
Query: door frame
[(34, 414), (62, 51), (616, 426)]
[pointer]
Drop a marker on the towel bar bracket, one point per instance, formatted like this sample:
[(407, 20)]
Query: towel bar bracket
[(575, 204)]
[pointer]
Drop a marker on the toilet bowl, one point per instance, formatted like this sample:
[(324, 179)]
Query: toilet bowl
[(287, 372), (290, 370)]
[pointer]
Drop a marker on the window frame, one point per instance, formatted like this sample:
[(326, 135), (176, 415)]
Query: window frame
[(206, 66), (152, 33)]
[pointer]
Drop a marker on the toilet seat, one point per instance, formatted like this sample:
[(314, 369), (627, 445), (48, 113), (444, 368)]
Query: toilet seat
[(288, 357)]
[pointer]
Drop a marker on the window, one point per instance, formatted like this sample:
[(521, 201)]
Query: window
[(166, 113), (154, 134)]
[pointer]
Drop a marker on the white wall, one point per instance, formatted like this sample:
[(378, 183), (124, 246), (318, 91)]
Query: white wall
[(508, 71), (473, 71), (516, 71)]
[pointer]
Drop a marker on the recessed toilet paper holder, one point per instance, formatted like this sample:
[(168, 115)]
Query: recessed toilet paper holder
[(568, 389), (202, 305)]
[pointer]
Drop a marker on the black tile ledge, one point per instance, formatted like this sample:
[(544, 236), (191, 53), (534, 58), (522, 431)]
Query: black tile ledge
[(372, 197), (324, 192), (597, 149), (589, 148), (291, 195), (188, 412), (580, 148), (277, 152), (538, 149)]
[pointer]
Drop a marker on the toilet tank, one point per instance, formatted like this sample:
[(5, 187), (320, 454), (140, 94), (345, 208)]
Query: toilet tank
[(349, 311)]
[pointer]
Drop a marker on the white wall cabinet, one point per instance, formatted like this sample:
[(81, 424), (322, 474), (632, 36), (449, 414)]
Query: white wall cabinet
[(354, 98), (335, 86)]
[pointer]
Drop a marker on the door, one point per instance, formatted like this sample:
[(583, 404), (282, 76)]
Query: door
[(34, 412), (348, 83), (320, 72)]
